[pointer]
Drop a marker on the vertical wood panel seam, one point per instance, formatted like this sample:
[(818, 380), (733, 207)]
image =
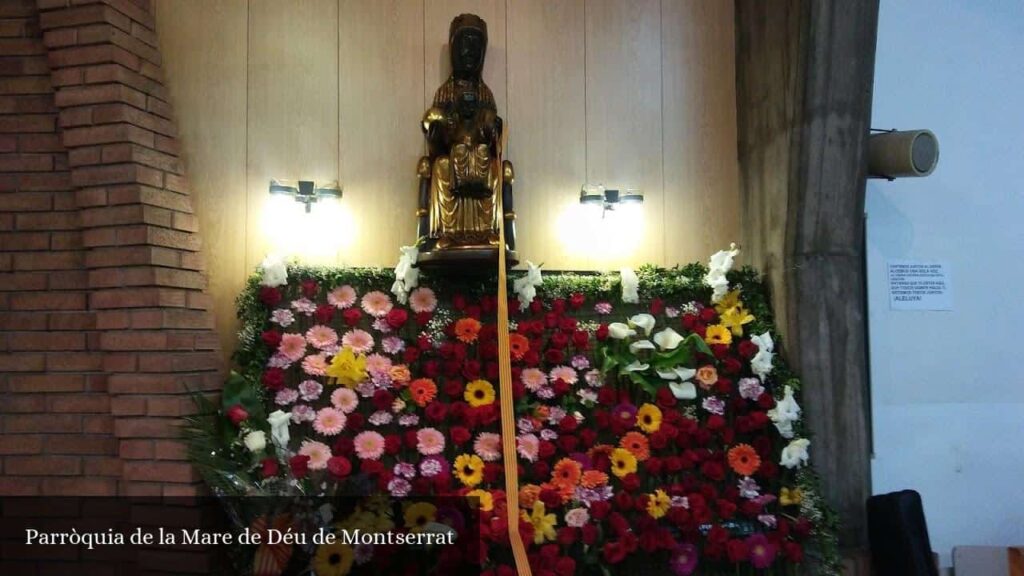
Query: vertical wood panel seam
[(245, 221), (661, 113)]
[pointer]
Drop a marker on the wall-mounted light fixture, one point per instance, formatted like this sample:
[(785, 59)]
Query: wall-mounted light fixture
[(306, 192), (598, 195), (902, 153)]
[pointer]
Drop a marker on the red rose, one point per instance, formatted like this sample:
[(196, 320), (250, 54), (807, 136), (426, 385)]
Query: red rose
[(588, 436), (309, 288), (766, 402), (602, 332), (270, 296), (397, 318), (236, 414), (269, 467), (718, 535), (613, 552), (588, 534), (607, 396), (689, 321), (600, 509), (581, 340), (657, 306), (339, 466), (707, 315), (492, 471), (802, 528), (558, 306), (541, 469), (459, 435), (351, 316), (654, 466), (355, 422), (546, 449), (631, 482), (473, 311), (565, 566), (748, 349), (567, 325), (299, 465), (664, 398), (342, 446), (737, 551), (793, 552), (551, 498), (382, 400), (272, 338), (576, 301), (423, 318), (553, 356), (568, 443), (558, 341), (715, 422), (436, 411), (324, 313), (409, 436), (560, 387), (273, 379), (459, 302), (726, 509), (713, 471), (392, 444), (410, 354), (371, 467)]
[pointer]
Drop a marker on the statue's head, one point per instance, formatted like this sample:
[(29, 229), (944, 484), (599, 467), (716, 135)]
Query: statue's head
[(467, 38)]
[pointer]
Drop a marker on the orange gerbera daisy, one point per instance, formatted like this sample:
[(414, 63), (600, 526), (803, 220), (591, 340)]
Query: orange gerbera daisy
[(467, 329), (565, 491), (600, 450), (743, 459), (593, 479), (518, 346), (423, 390), (567, 472), (637, 445)]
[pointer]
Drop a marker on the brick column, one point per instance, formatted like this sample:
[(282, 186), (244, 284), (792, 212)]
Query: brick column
[(140, 259)]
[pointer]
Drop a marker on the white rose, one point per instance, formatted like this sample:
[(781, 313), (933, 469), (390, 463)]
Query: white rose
[(630, 286), (795, 454), (644, 322), (275, 271), (668, 339), (279, 422), (255, 441), (619, 331)]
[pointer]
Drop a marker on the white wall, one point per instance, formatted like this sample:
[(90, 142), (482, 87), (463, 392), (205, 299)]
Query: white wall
[(948, 387)]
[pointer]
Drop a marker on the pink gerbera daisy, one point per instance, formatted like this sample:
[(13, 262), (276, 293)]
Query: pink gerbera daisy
[(377, 304), (315, 365), (345, 400), (321, 336), (422, 300), (342, 296), (318, 453), (528, 445), (565, 374), (292, 347), (358, 340), (377, 364), (488, 446), (533, 379), (369, 445), (429, 441), (329, 421)]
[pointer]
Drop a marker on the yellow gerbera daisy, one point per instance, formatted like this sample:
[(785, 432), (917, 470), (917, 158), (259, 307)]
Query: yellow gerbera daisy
[(718, 334), (418, 515), (469, 469), (479, 393), (648, 418), (333, 559), (484, 499), (543, 523), (658, 503), (347, 368), (623, 462)]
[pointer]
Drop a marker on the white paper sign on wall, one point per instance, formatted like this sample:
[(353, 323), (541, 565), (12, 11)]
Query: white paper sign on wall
[(916, 285)]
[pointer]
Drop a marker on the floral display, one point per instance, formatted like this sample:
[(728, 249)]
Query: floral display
[(656, 426)]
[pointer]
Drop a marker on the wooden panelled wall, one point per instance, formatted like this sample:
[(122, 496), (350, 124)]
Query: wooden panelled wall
[(629, 94)]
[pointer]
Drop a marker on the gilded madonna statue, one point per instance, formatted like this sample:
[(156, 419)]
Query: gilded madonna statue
[(464, 184)]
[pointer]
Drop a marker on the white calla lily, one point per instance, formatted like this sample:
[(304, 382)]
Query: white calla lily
[(720, 264), (619, 331), (644, 322), (275, 271), (683, 390), (279, 421), (685, 373), (785, 413), (406, 273), (635, 366), (667, 374), (668, 339), (630, 286), (525, 287), (795, 454), (641, 345), (761, 363)]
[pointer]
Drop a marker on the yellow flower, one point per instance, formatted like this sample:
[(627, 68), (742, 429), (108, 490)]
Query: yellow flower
[(543, 524), (484, 499), (479, 393), (623, 462), (333, 559), (648, 418), (718, 334), (469, 469), (734, 318), (730, 300), (791, 497), (658, 503), (347, 368), (418, 515)]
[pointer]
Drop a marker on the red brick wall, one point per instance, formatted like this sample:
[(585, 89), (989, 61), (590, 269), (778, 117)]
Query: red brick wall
[(103, 318)]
